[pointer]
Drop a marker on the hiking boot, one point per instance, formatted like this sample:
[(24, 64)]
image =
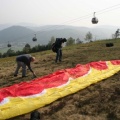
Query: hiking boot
[(24, 76), (15, 75)]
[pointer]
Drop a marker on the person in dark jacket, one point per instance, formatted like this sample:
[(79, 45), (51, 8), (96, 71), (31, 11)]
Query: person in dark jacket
[(23, 61), (58, 45)]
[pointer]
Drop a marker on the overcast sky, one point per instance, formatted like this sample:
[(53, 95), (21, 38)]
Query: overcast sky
[(60, 12)]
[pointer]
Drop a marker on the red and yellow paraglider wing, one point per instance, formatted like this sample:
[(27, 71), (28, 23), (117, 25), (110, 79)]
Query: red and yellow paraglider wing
[(25, 97)]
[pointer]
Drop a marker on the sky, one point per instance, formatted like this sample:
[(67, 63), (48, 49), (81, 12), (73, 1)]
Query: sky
[(60, 12)]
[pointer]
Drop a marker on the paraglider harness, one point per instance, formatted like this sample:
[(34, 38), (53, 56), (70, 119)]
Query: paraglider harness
[(53, 47), (57, 44)]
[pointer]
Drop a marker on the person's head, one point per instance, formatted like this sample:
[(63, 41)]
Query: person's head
[(32, 59), (64, 40)]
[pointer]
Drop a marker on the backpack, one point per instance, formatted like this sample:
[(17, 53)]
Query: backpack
[(54, 49), (57, 44)]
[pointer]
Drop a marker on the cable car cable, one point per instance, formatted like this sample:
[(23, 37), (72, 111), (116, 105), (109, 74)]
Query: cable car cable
[(71, 21)]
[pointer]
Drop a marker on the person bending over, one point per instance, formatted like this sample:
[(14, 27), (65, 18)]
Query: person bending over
[(23, 61)]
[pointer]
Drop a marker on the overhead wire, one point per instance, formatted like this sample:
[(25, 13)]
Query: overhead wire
[(86, 16), (103, 10), (98, 12)]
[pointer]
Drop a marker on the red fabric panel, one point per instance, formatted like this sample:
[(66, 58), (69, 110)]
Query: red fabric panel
[(115, 62), (53, 80), (78, 71), (101, 65), (35, 86)]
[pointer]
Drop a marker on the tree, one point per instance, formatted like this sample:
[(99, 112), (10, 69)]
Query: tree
[(113, 36), (70, 41), (78, 41), (0, 55), (27, 48), (88, 37), (10, 52), (117, 33), (35, 48), (51, 41)]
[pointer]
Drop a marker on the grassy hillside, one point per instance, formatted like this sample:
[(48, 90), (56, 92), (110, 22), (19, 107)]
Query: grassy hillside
[(100, 101)]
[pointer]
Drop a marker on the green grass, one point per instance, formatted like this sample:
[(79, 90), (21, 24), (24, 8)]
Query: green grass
[(96, 102)]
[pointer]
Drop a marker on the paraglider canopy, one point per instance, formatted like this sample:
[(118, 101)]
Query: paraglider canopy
[(94, 19), (34, 38)]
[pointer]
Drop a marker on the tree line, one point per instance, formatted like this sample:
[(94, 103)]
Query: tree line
[(38, 48)]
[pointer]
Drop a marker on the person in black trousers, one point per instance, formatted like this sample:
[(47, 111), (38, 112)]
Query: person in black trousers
[(58, 46)]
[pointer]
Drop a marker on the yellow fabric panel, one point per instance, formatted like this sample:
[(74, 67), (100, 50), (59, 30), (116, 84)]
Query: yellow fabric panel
[(21, 105)]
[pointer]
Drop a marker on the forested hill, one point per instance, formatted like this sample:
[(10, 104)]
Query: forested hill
[(44, 33)]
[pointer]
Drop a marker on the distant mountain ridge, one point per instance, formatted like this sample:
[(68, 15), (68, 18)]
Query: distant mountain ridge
[(14, 32), (20, 34)]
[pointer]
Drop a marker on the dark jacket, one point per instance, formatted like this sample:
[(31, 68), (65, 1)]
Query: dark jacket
[(58, 43), (26, 59)]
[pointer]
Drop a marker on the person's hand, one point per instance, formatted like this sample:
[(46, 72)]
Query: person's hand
[(34, 75)]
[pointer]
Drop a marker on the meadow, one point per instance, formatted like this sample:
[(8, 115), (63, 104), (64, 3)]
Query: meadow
[(100, 101)]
